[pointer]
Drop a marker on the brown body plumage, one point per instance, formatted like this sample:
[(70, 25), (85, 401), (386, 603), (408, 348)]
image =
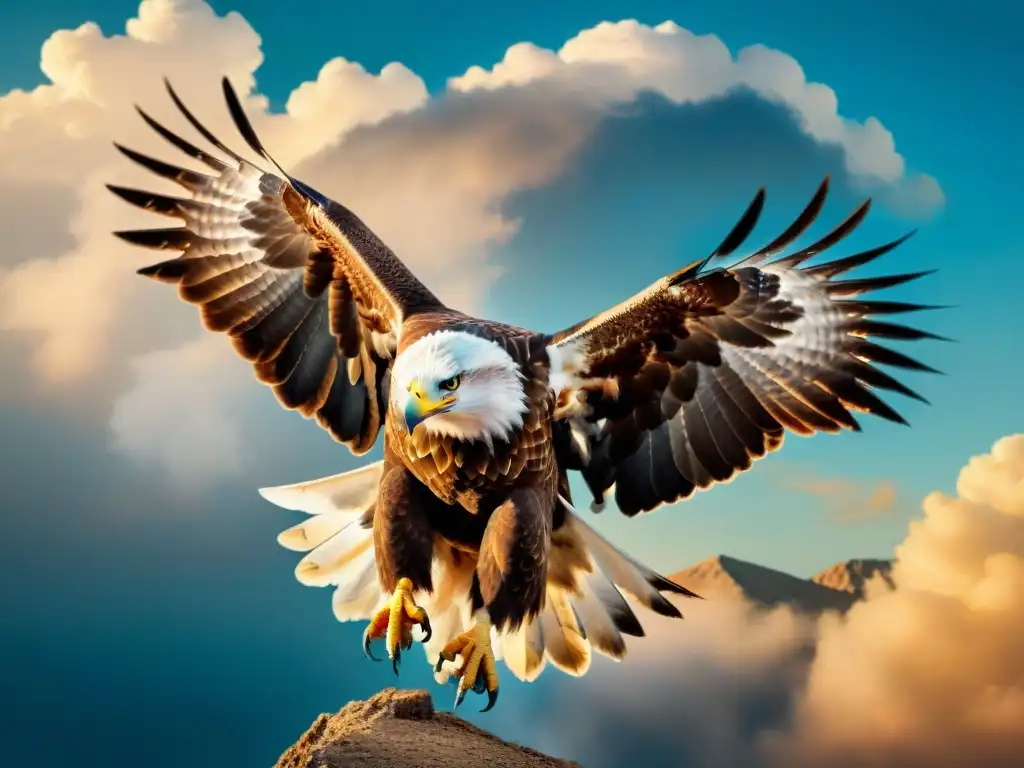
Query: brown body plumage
[(469, 473), (678, 388), (515, 482)]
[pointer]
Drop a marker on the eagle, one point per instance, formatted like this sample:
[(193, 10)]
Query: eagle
[(466, 529)]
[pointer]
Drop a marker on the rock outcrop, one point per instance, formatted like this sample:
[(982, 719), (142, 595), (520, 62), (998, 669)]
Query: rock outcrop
[(401, 729)]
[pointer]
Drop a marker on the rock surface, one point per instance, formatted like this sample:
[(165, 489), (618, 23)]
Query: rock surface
[(401, 729)]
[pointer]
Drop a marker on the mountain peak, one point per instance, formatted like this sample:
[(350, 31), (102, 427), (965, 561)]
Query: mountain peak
[(730, 577), (852, 576)]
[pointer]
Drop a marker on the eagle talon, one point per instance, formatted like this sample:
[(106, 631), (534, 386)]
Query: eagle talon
[(394, 622), (478, 670), (367, 637), (492, 699)]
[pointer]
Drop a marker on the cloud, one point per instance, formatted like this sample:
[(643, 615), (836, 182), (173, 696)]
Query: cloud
[(60, 134), (929, 673), (697, 693), (658, 184), (615, 61), (915, 197), (196, 442), (847, 501), (932, 672), (433, 181), (438, 177)]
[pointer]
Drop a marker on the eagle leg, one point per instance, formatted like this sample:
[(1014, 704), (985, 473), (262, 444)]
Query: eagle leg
[(404, 549), (478, 670), (394, 622)]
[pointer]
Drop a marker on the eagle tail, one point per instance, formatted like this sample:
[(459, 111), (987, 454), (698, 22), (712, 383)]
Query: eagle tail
[(585, 609), (337, 537)]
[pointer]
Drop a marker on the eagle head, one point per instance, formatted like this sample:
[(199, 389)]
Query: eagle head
[(458, 385)]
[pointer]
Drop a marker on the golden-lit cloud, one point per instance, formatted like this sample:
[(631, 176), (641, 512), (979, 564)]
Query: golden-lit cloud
[(429, 173), (932, 672), (929, 673), (846, 501)]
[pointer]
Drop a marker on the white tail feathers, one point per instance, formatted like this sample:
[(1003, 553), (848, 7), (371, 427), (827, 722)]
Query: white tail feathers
[(348, 492), (524, 651), (338, 559), (584, 608), (633, 578), (361, 596), (597, 602), (448, 606), (338, 544), (589, 615), (311, 533), (564, 642)]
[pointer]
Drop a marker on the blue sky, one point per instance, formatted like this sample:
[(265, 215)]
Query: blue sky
[(108, 605)]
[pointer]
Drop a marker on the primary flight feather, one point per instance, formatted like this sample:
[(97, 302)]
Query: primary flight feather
[(466, 528)]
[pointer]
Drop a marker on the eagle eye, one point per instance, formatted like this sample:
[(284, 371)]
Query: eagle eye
[(450, 385)]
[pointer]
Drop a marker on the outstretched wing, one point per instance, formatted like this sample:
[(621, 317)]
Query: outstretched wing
[(307, 293), (689, 381)]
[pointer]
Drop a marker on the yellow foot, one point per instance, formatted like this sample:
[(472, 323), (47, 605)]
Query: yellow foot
[(478, 671), (394, 623)]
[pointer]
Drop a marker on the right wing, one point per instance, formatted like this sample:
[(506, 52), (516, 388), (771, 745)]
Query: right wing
[(687, 383), (307, 293)]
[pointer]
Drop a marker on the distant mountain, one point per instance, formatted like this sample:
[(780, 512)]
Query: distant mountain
[(834, 589), (852, 575)]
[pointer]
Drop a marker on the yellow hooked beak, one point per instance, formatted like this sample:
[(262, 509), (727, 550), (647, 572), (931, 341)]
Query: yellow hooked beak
[(420, 405)]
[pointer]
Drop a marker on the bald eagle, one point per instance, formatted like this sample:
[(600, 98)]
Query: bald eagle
[(466, 529)]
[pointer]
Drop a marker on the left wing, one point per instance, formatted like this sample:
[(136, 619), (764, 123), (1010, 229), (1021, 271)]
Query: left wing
[(689, 381), (305, 290)]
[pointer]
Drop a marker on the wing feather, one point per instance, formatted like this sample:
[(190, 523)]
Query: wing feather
[(691, 380), (302, 287)]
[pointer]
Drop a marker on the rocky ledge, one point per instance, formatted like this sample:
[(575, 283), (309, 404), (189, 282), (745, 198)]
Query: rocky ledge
[(401, 729)]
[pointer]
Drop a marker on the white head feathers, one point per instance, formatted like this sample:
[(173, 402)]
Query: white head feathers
[(489, 401)]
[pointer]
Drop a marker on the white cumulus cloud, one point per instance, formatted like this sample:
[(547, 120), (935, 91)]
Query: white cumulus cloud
[(614, 61), (430, 174), (182, 414)]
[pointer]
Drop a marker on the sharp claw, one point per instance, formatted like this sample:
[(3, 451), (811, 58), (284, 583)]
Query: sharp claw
[(440, 663), (366, 646), (492, 699), (394, 661), (459, 697), (427, 632)]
